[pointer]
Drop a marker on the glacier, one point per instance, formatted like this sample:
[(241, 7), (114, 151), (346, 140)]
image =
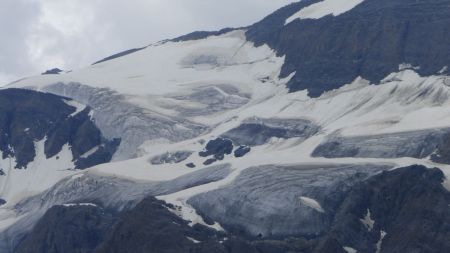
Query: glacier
[(308, 154)]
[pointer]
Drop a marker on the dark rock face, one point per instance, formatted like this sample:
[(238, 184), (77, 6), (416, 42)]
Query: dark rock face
[(210, 161), (442, 154), (54, 71), (73, 229), (409, 204), (241, 151), (190, 165), (371, 41), (202, 35), (27, 116), (217, 148), (118, 55), (150, 227)]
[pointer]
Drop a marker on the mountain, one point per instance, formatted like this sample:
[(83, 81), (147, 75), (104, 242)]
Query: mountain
[(322, 128)]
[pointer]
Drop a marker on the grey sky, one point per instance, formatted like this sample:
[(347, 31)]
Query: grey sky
[(42, 34)]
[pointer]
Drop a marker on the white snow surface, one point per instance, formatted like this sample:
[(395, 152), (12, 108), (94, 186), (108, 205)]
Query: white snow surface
[(40, 174), (367, 221), (90, 152), (78, 106), (404, 101), (173, 67), (309, 202), (380, 242), (350, 250), (193, 240), (324, 8)]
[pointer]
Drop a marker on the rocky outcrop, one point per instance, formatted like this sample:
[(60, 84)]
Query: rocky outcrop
[(370, 41), (74, 228), (120, 54), (28, 116), (404, 210)]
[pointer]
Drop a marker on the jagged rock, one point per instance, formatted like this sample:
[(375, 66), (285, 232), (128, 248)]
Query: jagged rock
[(54, 71), (118, 55), (68, 229), (27, 116), (190, 165), (217, 148), (210, 161), (151, 227), (241, 151), (330, 52), (409, 204)]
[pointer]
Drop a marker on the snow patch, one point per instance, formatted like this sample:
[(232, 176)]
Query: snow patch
[(380, 242), (405, 66), (188, 213), (90, 152), (193, 240), (79, 204), (312, 203), (350, 250), (78, 106), (40, 174), (324, 8), (367, 221)]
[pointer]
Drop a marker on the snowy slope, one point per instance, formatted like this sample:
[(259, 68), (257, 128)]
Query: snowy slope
[(39, 175), (155, 78), (324, 8), (173, 67), (198, 90)]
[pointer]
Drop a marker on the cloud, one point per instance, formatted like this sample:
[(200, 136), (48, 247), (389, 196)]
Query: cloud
[(16, 19), (42, 34)]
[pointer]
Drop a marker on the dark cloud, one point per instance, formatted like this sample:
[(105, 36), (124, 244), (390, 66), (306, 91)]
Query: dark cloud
[(41, 34)]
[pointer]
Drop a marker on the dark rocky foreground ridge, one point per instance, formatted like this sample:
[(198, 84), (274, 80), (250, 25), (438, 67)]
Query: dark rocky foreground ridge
[(408, 206)]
